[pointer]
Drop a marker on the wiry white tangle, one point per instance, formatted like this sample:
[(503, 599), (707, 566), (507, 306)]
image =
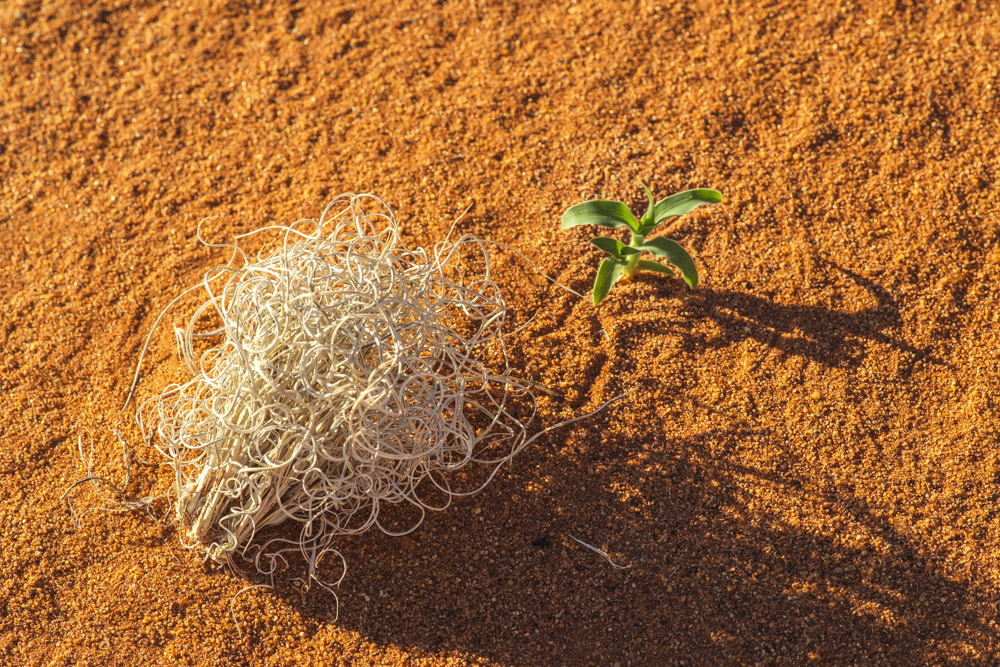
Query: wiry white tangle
[(349, 372)]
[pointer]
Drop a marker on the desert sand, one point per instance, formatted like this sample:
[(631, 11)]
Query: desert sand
[(806, 466)]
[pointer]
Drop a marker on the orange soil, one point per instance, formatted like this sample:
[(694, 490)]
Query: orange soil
[(807, 468)]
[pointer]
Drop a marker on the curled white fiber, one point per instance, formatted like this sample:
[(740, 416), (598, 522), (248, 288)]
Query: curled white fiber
[(344, 372)]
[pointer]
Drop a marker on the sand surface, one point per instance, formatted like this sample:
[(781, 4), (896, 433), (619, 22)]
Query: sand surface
[(807, 469)]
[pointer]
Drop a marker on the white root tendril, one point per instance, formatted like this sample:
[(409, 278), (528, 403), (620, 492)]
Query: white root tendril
[(339, 374), (601, 552)]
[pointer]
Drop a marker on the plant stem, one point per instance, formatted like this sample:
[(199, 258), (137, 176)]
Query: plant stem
[(633, 260)]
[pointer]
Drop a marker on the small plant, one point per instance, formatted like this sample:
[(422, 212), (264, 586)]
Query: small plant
[(624, 259)]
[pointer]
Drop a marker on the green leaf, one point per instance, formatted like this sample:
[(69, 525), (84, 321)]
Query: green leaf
[(650, 265), (649, 211), (614, 247), (607, 275), (679, 204), (600, 212), (664, 247)]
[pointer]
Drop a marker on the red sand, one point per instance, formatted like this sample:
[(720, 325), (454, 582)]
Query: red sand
[(807, 470)]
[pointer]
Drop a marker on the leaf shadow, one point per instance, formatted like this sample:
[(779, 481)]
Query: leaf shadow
[(832, 337)]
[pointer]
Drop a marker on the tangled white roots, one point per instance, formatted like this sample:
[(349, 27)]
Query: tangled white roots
[(349, 372)]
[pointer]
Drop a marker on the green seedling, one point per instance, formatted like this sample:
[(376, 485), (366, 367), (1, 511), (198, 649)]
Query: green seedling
[(624, 260)]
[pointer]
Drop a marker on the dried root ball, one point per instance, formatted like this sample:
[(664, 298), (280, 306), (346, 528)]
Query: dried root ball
[(344, 372)]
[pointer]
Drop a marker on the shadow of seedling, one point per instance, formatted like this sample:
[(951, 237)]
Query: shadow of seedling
[(819, 333)]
